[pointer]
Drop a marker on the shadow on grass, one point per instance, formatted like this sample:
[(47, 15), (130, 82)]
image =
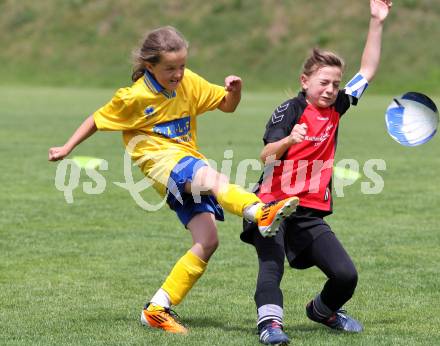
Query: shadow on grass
[(384, 321), (306, 328), (203, 322), (316, 328)]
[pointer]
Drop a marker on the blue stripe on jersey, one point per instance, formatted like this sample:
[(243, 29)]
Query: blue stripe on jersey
[(174, 128), (356, 86), (155, 87), (354, 80), (152, 83)]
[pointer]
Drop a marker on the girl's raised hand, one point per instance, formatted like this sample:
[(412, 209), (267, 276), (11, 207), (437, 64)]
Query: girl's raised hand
[(380, 8)]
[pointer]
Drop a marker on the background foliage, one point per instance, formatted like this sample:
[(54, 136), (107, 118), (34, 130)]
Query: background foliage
[(89, 42)]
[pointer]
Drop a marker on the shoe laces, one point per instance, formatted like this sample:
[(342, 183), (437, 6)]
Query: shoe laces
[(268, 205), (173, 314), (270, 329), (337, 316), (169, 311), (341, 312), (276, 325)]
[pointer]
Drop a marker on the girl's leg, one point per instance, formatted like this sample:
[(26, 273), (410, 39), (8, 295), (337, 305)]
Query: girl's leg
[(238, 201), (231, 197), (192, 265), (204, 235), (328, 254), (270, 253), (184, 275), (268, 295)]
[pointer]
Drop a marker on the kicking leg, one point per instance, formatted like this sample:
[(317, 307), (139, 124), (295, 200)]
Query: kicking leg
[(238, 201)]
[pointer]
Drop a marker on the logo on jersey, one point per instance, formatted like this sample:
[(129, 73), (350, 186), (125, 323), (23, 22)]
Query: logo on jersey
[(320, 138), (149, 111), (178, 129), (278, 115)]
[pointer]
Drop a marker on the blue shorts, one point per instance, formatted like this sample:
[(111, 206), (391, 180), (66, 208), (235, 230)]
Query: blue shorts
[(183, 203)]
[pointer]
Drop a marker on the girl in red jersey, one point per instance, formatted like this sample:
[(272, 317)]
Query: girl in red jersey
[(300, 143)]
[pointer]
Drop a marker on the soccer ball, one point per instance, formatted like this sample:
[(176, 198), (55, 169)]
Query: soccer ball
[(412, 119)]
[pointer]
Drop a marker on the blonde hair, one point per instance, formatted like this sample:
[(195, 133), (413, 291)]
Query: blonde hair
[(164, 39), (320, 58)]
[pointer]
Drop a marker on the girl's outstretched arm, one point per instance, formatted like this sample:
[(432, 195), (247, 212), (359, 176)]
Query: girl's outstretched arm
[(371, 56), (85, 130), (233, 97)]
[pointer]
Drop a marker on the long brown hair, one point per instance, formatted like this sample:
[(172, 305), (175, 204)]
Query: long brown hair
[(164, 39)]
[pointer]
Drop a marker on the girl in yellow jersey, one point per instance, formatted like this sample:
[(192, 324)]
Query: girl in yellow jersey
[(157, 116)]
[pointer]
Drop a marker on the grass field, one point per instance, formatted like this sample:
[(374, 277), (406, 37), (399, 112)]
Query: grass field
[(78, 274)]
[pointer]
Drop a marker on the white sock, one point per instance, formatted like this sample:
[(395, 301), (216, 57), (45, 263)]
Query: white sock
[(161, 298), (271, 312), (250, 212)]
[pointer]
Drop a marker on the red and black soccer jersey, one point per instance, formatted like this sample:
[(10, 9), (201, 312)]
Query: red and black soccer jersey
[(305, 170)]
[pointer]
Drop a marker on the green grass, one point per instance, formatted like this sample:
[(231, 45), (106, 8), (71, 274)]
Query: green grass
[(78, 274)]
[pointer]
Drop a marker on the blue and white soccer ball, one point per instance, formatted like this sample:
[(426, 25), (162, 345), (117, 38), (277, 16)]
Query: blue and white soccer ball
[(412, 119)]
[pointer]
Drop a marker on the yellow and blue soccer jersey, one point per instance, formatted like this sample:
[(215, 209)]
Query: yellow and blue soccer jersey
[(162, 125)]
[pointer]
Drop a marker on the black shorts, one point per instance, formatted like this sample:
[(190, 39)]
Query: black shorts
[(300, 230)]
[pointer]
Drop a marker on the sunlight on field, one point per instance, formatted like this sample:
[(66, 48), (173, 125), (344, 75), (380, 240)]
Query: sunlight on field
[(79, 273)]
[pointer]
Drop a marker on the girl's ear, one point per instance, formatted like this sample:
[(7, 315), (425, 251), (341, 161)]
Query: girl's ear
[(304, 80), (149, 67)]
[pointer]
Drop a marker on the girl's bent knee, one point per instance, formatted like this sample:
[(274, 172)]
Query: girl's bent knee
[(347, 277), (209, 246)]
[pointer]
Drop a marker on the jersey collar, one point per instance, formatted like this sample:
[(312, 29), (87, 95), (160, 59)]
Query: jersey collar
[(155, 87), (302, 97)]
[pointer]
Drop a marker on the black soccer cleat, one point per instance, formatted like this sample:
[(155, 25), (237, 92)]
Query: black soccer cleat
[(273, 334), (339, 320)]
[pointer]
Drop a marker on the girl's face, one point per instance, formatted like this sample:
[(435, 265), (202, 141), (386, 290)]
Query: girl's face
[(170, 69), (322, 86)]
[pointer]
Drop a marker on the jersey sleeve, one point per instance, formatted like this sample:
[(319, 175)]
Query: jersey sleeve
[(207, 96), (351, 93), (355, 88), (343, 102), (280, 123), (118, 114)]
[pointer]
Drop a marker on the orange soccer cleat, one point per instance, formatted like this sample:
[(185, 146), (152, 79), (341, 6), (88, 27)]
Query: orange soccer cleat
[(163, 318), (270, 215)]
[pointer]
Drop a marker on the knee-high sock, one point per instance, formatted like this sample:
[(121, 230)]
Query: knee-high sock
[(183, 276), (234, 199)]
